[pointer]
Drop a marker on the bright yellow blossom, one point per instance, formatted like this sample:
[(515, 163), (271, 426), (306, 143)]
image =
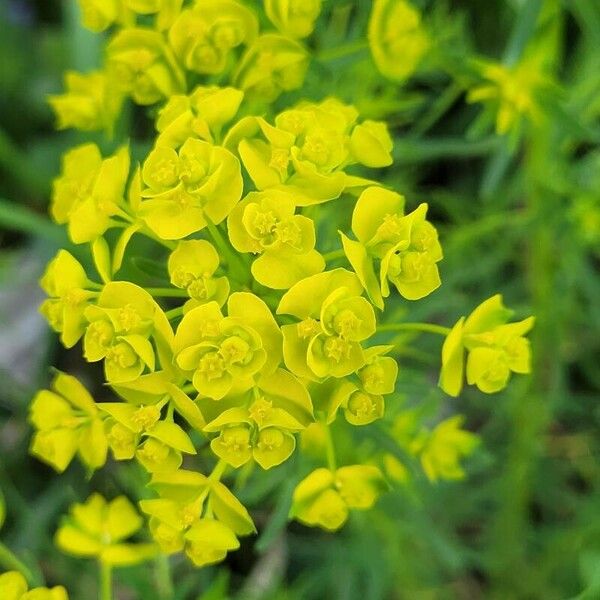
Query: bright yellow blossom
[(67, 422), (97, 528), (90, 102), (14, 587)]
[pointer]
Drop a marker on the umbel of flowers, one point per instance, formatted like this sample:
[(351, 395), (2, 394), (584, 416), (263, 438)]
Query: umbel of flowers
[(250, 335)]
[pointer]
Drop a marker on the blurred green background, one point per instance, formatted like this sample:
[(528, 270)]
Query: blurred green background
[(521, 219)]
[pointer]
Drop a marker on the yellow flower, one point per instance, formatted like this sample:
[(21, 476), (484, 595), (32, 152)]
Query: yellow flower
[(67, 422), (223, 355), (511, 92), (98, 528), (122, 325), (98, 15), (494, 347), (271, 65), (306, 152), (202, 114), (264, 223), (441, 450), (14, 587), (406, 247), (164, 440), (397, 38), (142, 65), (90, 102), (165, 10), (262, 424), (196, 514), (185, 189), (89, 191), (362, 401), (333, 320), (293, 18), (324, 498), (192, 267), (204, 36), (65, 281)]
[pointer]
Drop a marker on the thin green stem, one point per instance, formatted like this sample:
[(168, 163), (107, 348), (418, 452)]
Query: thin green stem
[(164, 581), (167, 292), (105, 571), (342, 51), (425, 327), (16, 217), (10, 562), (333, 255), (437, 109), (330, 449), (149, 234), (232, 259), (174, 313), (218, 471), (170, 411)]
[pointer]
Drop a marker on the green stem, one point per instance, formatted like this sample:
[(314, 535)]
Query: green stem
[(342, 51), (105, 581), (19, 218), (218, 471), (232, 259), (425, 327), (330, 449), (167, 292), (149, 234), (164, 580), (333, 255), (439, 106), (174, 313), (10, 562)]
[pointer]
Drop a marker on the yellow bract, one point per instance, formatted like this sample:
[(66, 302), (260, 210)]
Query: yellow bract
[(89, 191), (224, 355), (89, 103), (494, 348), (65, 282), (192, 267), (141, 64), (202, 114), (325, 498), (307, 150), (98, 528), (186, 190), (397, 38), (406, 247), (67, 422), (204, 36), (14, 587), (294, 18), (511, 92), (333, 320), (265, 223)]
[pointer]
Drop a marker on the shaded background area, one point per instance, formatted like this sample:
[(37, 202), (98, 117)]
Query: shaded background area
[(524, 221)]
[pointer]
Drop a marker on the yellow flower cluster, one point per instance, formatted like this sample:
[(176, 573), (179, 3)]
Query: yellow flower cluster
[(253, 336)]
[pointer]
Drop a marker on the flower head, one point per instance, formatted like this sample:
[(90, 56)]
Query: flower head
[(67, 422), (97, 528), (187, 188), (494, 347)]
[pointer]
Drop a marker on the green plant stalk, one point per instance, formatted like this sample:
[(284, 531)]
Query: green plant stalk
[(164, 581), (530, 410), (11, 563), (105, 572), (167, 292), (424, 327), (330, 449), (15, 217)]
